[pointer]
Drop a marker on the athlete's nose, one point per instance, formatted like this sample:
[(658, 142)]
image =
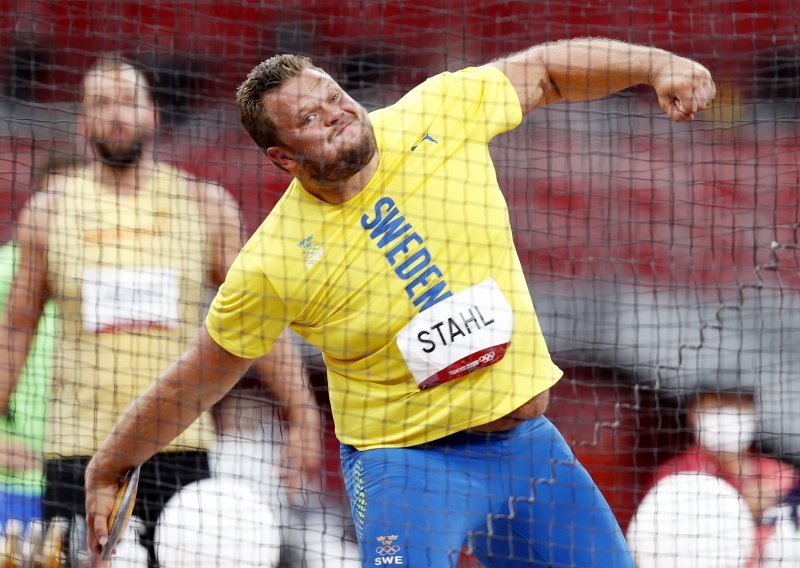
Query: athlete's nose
[(335, 115)]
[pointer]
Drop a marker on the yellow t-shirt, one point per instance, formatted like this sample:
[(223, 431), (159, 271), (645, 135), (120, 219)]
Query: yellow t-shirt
[(129, 275), (430, 228)]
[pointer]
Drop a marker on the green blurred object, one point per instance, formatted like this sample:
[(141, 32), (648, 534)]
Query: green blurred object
[(29, 402)]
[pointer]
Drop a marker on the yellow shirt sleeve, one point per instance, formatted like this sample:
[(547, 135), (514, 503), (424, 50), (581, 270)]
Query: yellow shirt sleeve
[(476, 104), (248, 314)]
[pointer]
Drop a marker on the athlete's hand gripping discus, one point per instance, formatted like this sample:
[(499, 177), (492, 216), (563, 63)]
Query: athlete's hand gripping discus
[(122, 511)]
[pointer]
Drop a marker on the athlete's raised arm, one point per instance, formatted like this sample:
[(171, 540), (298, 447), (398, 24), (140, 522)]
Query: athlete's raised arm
[(591, 68)]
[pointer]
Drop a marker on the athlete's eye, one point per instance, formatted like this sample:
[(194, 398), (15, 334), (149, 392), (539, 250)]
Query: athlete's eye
[(335, 97), (309, 119)]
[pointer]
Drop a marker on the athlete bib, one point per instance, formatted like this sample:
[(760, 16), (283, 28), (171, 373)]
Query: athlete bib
[(119, 298), (457, 336)]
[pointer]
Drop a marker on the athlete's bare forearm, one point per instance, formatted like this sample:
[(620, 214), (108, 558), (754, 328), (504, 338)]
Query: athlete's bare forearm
[(591, 68)]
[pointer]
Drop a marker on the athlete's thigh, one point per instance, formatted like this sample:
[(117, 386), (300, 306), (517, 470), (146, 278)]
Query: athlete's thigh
[(411, 507), (556, 516)]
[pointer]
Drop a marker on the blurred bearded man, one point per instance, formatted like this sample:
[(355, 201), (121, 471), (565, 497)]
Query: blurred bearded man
[(127, 247)]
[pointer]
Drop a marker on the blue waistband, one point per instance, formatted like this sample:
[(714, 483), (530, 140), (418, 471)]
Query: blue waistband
[(466, 437)]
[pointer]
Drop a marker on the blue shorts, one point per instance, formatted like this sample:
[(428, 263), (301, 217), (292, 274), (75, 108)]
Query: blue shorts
[(515, 498)]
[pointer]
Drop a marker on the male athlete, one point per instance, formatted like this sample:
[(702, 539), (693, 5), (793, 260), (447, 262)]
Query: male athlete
[(391, 251)]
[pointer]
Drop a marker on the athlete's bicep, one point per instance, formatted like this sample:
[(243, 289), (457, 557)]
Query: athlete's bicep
[(528, 74)]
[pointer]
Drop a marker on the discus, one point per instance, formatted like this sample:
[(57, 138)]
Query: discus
[(122, 510)]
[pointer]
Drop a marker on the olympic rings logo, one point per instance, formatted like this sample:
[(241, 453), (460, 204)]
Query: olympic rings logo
[(388, 547), (384, 550), (486, 357)]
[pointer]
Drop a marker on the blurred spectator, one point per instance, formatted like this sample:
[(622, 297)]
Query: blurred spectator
[(127, 247), (706, 506)]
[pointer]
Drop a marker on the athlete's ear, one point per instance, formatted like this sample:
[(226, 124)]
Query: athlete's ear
[(281, 158)]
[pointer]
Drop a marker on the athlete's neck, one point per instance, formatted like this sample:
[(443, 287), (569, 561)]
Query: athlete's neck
[(341, 191)]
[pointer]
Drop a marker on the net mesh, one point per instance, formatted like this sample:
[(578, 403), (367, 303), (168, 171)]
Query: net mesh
[(662, 258)]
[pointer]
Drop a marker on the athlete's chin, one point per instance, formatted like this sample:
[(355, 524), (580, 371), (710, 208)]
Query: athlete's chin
[(350, 163)]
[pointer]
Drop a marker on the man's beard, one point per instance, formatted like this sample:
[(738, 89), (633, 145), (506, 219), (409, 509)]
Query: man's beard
[(347, 163), (119, 158)]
